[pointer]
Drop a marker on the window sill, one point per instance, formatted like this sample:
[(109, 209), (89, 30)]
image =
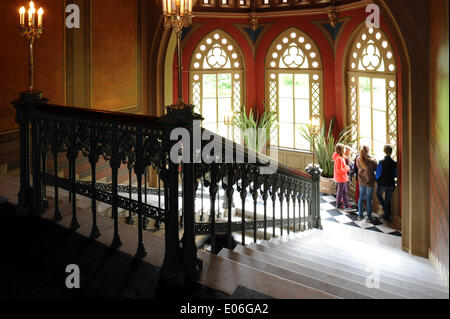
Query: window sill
[(289, 150)]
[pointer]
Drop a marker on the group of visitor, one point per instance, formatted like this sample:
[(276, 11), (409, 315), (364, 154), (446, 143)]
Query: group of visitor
[(367, 172)]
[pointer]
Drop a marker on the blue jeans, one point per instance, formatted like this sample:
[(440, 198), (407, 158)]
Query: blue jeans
[(365, 193), (386, 202)]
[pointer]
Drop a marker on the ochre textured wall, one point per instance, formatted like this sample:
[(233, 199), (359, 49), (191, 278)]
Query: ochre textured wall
[(49, 57), (439, 135), (114, 54)]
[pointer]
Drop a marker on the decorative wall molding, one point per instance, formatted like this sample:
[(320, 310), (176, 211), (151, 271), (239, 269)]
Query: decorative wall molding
[(139, 56), (223, 13), (189, 31), (69, 62), (87, 53), (79, 60), (253, 37), (332, 34)]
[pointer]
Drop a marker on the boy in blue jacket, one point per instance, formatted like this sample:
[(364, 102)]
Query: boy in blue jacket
[(385, 176)]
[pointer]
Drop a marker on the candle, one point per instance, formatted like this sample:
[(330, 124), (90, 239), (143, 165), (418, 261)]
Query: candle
[(169, 6), (40, 14), (182, 7), (31, 17), (190, 6), (164, 6), (22, 15)]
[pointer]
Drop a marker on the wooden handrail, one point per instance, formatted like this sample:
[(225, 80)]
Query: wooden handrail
[(153, 121), (97, 114), (282, 168)]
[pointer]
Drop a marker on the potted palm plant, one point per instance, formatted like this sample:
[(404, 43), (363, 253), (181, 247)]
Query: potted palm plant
[(324, 145), (255, 128)]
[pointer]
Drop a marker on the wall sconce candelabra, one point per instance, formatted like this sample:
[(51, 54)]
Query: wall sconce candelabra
[(177, 15), (314, 128), (31, 29)]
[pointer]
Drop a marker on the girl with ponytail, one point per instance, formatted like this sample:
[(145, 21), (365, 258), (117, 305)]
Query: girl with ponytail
[(366, 177)]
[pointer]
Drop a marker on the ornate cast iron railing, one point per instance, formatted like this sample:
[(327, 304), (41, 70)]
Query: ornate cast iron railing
[(144, 144)]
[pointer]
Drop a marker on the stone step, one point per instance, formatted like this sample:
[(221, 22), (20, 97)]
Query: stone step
[(325, 274), (347, 247), (215, 273), (356, 260), (290, 275), (434, 288), (374, 257), (226, 275), (369, 243), (393, 285)]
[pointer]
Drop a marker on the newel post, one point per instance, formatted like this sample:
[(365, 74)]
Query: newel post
[(315, 171), (192, 265), (181, 266), (27, 114)]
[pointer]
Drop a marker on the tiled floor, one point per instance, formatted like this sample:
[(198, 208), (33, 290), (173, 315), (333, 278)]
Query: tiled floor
[(329, 213)]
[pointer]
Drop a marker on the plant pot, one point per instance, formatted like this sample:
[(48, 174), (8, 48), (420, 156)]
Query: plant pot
[(327, 185)]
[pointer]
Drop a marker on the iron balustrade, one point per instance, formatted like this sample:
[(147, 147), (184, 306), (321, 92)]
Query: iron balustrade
[(143, 145)]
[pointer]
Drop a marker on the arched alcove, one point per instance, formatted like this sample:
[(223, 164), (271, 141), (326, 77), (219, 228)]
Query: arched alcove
[(415, 128)]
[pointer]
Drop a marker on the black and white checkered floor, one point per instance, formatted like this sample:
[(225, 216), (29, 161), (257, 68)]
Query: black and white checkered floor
[(329, 213)]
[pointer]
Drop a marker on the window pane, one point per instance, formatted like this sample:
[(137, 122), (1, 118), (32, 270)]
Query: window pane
[(302, 86), (379, 120), (287, 134), (209, 86), (286, 85), (224, 130), (365, 122), (224, 107), (378, 150), (364, 91), (286, 110), (302, 111), (210, 126), (379, 94), (224, 85), (209, 110), (300, 142)]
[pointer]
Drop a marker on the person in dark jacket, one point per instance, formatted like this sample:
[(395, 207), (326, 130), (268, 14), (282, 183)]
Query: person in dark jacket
[(385, 176)]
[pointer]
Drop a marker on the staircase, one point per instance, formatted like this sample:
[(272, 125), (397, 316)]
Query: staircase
[(345, 268), (337, 262), (289, 255)]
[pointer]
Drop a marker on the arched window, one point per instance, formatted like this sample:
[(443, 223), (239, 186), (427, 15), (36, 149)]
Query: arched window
[(294, 86), (216, 81), (372, 90)]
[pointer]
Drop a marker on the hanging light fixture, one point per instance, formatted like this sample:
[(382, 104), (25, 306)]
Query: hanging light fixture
[(333, 14)]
